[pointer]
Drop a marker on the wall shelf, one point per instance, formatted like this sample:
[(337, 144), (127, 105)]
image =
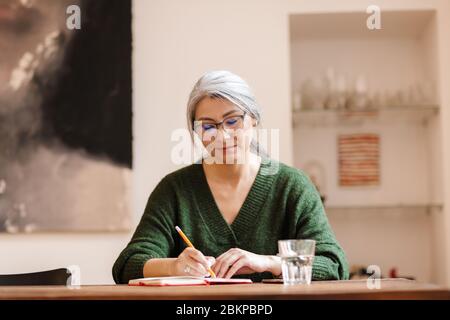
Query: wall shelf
[(382, 210), (315, 117)]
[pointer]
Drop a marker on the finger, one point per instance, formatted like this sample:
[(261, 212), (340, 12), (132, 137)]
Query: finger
[(227, 263), (193, 272), (219, 261), (244, 270), (198, 256), (211, 261), (223, 256), (197, 269), (216, 265), (242, 262), (230, 251)]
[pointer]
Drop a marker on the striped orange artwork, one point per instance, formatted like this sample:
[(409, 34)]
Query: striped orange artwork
[(359, 159)]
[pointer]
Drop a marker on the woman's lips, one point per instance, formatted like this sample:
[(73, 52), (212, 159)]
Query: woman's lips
[(228, 148)]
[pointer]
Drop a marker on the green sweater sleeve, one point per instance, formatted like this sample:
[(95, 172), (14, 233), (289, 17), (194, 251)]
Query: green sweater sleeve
[(330, 262), (153, 237)]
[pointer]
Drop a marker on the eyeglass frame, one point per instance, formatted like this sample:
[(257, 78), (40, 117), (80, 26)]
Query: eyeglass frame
[(219, 125)]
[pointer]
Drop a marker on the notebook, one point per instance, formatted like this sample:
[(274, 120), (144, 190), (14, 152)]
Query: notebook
[(185, 281)]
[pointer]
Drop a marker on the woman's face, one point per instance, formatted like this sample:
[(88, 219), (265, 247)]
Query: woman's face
[(229, 142)]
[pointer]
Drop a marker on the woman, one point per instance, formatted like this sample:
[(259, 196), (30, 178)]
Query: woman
[(231, 206)]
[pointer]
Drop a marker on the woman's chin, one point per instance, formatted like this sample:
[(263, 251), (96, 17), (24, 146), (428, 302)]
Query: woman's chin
[(230, 155)]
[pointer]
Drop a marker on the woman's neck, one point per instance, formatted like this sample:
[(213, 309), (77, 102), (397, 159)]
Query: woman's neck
[(232, 173)]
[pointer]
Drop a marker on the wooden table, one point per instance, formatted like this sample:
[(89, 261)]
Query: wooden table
[(353, 289)]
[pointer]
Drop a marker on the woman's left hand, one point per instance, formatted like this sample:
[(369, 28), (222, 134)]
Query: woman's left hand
[(238, 261)]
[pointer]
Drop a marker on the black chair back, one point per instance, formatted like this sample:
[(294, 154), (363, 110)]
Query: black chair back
[(44, 278)]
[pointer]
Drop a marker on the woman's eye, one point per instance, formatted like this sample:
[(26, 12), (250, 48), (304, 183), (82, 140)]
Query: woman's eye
[(207, 127), (231, 122)]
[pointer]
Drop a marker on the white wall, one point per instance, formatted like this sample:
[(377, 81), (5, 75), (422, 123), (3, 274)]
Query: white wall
[(404, 176), (400, 239), (94, 253), (443, 222)]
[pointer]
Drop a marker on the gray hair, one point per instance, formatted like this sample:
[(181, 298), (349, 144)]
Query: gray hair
[(223, 85)]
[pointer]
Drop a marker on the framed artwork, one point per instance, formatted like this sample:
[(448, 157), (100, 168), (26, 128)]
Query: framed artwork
[(65, 116), (359, 159)]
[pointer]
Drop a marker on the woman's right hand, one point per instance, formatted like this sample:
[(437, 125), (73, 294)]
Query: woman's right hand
[(191, 262)]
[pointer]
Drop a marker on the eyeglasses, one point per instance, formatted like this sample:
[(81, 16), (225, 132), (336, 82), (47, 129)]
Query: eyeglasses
[(228, 124)]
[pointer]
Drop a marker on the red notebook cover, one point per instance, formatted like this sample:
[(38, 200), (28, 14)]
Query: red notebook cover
[(185, 281)]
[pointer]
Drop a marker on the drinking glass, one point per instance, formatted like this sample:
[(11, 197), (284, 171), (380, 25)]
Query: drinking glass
[(297, 257)]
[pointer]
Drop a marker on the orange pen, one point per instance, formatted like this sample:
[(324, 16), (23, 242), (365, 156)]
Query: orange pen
[(189, 243)]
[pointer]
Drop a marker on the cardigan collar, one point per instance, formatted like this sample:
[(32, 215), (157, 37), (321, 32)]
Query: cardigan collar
[(247, 216)]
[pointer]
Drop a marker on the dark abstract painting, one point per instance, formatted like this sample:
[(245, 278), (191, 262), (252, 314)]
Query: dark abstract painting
[(65, 116)]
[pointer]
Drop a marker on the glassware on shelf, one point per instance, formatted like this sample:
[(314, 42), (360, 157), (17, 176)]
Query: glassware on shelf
[(359, 97), (390, 99), (400, 98), (330, 91), (342, 94), (312, 93), (376, 101), (297, 101), (427, 92), (413, 96), (331, 101)]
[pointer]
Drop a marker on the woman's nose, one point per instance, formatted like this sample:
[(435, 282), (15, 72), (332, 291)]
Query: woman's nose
[(225, 134), (222, 137)]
